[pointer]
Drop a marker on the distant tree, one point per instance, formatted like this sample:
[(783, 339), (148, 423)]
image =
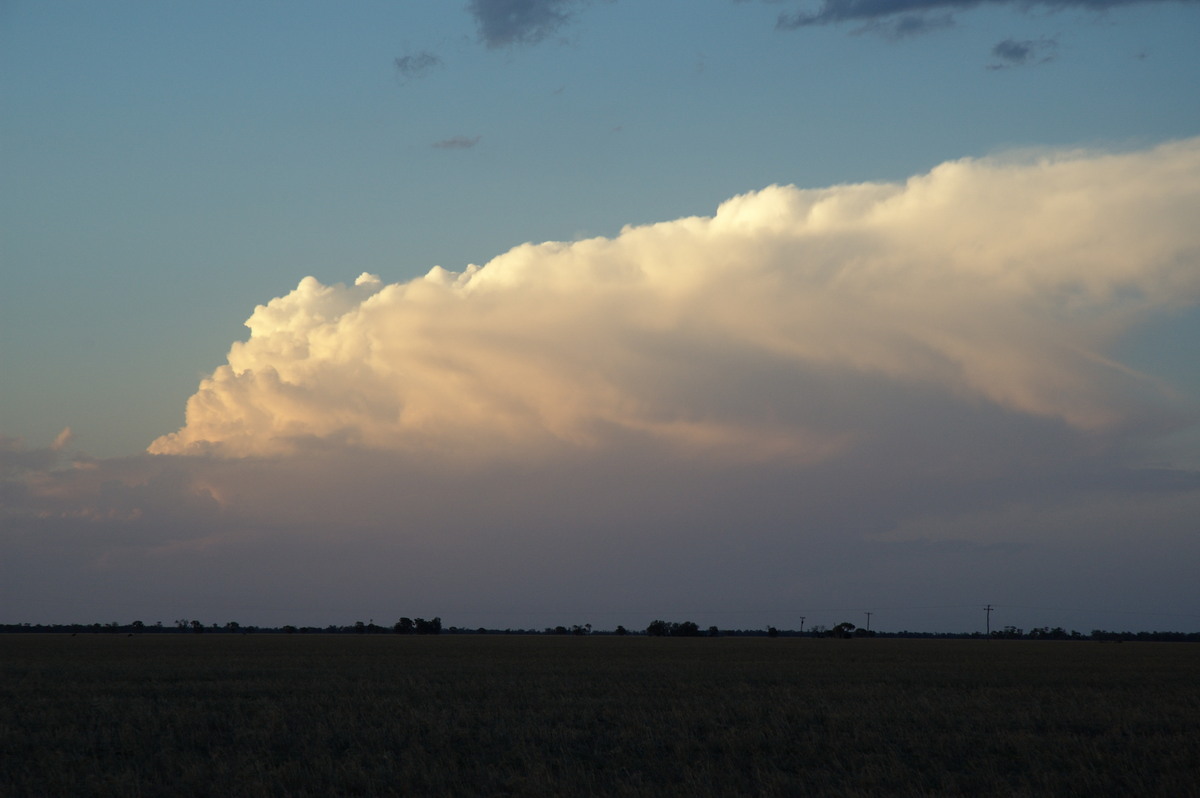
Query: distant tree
[(658, 628), (233, 626), (666, 629), (138, 626), (1046, 633), (843, 629), (424, 627), (714, 631), (197, 627), (289, 629), (621, 630), (404, 626), (360, 627), (772, 631)]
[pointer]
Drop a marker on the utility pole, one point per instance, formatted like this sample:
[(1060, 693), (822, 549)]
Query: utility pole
[(801, 625), (988, 610), (869, 614)]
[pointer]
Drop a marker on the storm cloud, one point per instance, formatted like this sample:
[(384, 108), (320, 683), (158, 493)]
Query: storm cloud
[(902, 397), (743, 334)]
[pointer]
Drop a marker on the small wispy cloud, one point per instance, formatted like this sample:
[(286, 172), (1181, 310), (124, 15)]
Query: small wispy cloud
[(909, 25), (1027, 52), (908, 17), (457, 143), (416, 65), (507, 22)]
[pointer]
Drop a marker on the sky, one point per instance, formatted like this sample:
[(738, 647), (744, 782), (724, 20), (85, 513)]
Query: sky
[(534, 312)]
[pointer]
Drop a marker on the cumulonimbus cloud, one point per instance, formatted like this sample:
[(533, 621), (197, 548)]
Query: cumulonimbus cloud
[(773, 329)]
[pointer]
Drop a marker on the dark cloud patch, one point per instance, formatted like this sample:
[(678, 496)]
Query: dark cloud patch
[(906, 17), (457, 143), (832, 12), (16, 458), (1011, 52), (416, 65), (507, 22)]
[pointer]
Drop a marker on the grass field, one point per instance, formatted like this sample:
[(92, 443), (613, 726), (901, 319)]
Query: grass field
[(300, 715)]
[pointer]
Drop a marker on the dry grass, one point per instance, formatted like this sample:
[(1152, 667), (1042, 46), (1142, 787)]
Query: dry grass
[(295, 715)]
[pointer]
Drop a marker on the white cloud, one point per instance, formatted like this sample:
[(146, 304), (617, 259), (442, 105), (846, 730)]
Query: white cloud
[(886, 394), (1002, 280)]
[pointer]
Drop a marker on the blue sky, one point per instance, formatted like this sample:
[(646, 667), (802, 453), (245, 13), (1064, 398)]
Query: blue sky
[(166, 168)]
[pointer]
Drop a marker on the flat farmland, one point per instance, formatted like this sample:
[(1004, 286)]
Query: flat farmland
[(495, 715)]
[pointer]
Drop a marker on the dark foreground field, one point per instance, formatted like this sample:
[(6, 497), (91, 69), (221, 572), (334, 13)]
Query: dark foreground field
[(296, 715)]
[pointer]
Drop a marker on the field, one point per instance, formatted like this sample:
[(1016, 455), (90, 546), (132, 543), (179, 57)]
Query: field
[(300, 715)]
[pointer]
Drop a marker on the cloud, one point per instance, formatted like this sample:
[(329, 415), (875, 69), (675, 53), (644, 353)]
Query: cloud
[(890, 395), (456, 143), (949, 504), (906, 25), (1022, 53), (508, 22), (16, 457), (416, 65), (747, 334), (901, 17)]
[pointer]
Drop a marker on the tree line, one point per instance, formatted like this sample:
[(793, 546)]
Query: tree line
[(656, 628)]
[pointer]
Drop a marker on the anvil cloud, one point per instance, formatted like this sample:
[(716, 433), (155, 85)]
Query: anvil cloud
[(743, 335)]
